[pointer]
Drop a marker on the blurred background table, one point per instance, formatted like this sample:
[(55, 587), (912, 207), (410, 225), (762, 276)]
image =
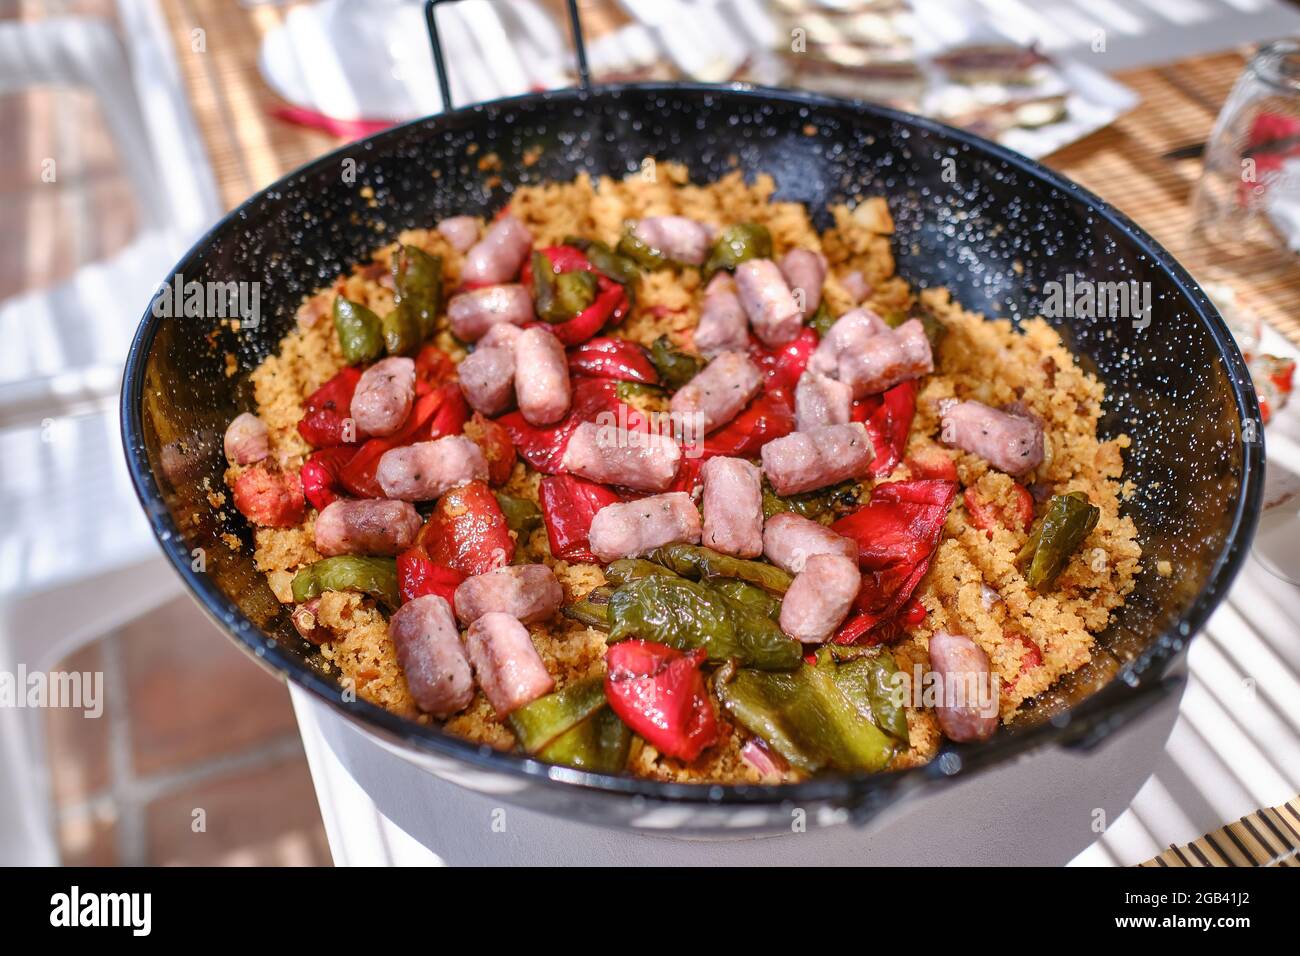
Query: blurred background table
[(1236, 744)]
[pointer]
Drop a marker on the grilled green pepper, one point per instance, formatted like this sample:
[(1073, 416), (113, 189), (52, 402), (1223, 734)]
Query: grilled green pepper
[(633, 569), (687, 614), (523, 517), (822, 320), (823, 505), (749, 595), (866, 676), (401, 332), (543, 286), (1056, 536), (361, 334), (540, 722), (619, 268), (374, 576), (592, 610), (806, 717), (675, 367), (693, 561), (574, 291), (737, 244), (641, 253), (600, 744), (628, 391), (417, 288)]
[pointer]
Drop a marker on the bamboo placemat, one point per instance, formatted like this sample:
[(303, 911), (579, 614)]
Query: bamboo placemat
[(1268, 837)]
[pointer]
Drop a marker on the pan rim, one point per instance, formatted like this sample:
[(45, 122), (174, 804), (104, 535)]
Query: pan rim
[(840, 788)]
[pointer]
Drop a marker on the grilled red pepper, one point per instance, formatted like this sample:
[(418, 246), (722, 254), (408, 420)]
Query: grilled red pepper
[(688, 476), (328, 409), (568, 506), (437, 413), (320, 474), (417, 576), (467, 531), (769, 416), (782, 366), (613, 358), (433, 367), (543, 448), (497, 447), (986, 517), (888, 417), (932, 464), (897, 532), (659, 692)]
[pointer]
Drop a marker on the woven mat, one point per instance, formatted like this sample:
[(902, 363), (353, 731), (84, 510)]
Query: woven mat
[(1264, 838)]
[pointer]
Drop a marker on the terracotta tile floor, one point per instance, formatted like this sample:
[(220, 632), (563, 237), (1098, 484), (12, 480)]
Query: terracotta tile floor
[(195, 760)]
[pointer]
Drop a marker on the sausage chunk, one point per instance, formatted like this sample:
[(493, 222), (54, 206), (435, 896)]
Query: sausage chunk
[(471, 314), (884, 360), (487, 379), (499, 255), (366, 526), (805, 271), (723, 326), (383, 396), (773, 313), (849, 333), (423, 471), (503, 335), (1010, 443), (857, 286), (789, 541), (246, 441), (733, 507), (529, 592), (541, 377), (717, 394), (507, 665), (461, 232), (819, 400), (826, 455), (819, 598), (428, 647), (680, 239), (635, 527), (969, 708), (643, 461)]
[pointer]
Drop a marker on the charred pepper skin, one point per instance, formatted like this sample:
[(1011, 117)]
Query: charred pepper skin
[(360, 331), (737, 244), (808, 717), (675, 367), (417, 284), (695, 561), (1068, 520), (376, 577), (688, 614), (544, 720)]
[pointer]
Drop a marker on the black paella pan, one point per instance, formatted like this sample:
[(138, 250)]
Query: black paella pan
[(996, 235)]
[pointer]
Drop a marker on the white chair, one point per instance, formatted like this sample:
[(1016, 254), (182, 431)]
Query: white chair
[(77, 558)]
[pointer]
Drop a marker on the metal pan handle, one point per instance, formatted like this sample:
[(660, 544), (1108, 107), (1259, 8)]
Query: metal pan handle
[(440, 64)]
